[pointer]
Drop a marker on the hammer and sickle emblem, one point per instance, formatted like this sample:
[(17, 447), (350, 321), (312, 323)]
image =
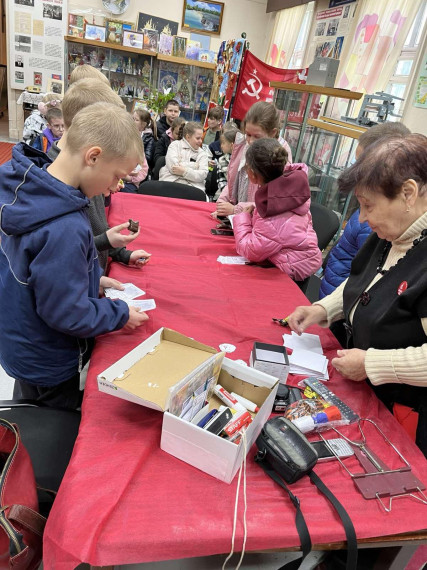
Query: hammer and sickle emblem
[(255, 89)]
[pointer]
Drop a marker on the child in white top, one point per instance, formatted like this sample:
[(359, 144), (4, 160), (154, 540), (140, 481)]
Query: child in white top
[(36, 122), (186, 161)]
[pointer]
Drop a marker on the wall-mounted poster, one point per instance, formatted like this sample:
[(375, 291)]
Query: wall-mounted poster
[(420, 98), (147, 22), (36, 41), (202, 16)]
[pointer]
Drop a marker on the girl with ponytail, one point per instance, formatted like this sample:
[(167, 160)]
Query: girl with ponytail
[(279, 229)]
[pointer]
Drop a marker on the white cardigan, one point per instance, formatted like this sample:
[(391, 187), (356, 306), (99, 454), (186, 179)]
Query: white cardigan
[(195, 162)]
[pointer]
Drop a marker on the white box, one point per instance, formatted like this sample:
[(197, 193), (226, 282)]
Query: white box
[(209, 453)]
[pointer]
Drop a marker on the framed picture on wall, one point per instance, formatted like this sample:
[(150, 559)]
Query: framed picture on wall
[(94, 33), (202, 16), (55, 86), (148, 22), (133, 39)]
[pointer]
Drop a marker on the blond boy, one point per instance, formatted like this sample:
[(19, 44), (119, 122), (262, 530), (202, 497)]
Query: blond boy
[(49, 273), (86, 71)]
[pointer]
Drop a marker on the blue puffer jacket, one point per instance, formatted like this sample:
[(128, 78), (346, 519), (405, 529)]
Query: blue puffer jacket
[(49, 274), (342, 254)]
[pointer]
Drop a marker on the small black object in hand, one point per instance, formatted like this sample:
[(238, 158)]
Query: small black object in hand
[(133, 226)]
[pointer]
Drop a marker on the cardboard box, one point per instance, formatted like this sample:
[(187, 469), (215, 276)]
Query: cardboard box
[(154, 361), (271, 359)]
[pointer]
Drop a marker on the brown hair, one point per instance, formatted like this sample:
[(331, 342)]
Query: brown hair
[(86, 71), (188, 129), (145, 117), (229, 134), (177, 122), (382, 130), (390, 162), (216, 113), (265, 115), (267, 158), (108, 126), (171, 103), (86, 92), (53, 113)]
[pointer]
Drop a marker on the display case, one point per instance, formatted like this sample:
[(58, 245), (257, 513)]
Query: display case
[(134, 72), (130, 71)]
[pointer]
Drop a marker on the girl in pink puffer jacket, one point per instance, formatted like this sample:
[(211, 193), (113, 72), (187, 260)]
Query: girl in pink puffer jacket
[(280, 229)]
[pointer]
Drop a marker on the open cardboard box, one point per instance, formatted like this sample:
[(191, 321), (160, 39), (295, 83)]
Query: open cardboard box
[(156, 371)]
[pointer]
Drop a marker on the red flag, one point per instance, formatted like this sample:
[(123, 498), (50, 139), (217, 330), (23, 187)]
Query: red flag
[(254, 83)]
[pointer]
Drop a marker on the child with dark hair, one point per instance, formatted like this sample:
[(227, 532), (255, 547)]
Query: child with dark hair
[(53, 131), (148, 129), (170, 112), (164, 141), (212, 132), (280, 229)]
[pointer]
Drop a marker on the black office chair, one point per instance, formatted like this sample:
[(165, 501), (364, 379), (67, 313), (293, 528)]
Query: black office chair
[(48, 434), (325, 223), (160, 163), (172, 190)]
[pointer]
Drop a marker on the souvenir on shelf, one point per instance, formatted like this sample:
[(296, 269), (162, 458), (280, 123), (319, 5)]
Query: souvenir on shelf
[(114, 32), (193, 49), (179, 46), (133, 39), (117, 63), (76, 26), (151, 40), (165, 44), (168, 80)]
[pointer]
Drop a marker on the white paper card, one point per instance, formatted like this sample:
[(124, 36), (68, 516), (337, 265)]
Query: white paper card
[(270, 356), (306, 341), (143, 305), (232, 260), (129, 292)]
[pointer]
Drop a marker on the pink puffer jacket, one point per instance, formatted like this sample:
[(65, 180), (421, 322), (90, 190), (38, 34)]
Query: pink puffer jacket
[(287, 239)]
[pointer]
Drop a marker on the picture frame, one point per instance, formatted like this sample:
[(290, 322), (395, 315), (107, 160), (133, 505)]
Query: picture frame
[(95, 33), (133, 39), (148, 22), (114, 32), (55, 86), (202, 16), (151, 40), (76, 26), (179, 46)]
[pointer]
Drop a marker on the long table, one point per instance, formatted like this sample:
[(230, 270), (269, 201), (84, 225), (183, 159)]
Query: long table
[(123, 500)]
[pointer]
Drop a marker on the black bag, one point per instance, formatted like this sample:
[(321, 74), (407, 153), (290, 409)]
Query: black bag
[(286, 455)]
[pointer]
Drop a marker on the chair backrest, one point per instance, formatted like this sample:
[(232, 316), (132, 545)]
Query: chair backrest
[(325, 223), (160, 163), (172, 190)]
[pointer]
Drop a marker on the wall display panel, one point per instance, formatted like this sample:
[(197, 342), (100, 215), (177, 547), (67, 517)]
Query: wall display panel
[(36, 50)]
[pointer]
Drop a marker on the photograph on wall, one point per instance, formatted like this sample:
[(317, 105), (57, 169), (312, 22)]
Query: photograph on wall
[(133, 39), (151, 40), (55, 86), (114, 32), (147, 22), (19, 60), (25, 2), (165, 44), (76, 26), (320, 29), (202, 17), (22, 43), (95, 33), (37, 78), (179, 46), (19, 76), (52, 11)]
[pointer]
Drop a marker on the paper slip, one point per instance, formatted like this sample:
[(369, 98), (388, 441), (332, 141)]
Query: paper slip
[(270, 356), (232, 260), (306, 341), (130, 292), (143, 305), (309, 363), (231, 217)]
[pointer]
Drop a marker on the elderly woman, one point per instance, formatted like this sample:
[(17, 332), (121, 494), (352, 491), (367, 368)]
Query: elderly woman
[(384, 300)]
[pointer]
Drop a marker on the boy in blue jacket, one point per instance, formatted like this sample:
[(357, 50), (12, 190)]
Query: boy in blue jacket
[(49, 272)]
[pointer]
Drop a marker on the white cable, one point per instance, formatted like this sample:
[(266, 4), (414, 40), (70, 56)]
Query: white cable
[(236, 504)]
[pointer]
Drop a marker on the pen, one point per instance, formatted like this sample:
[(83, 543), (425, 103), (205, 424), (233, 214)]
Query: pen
[(281, 322)]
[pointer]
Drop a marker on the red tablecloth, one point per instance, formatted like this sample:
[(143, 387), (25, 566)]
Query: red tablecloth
[(123, 500)]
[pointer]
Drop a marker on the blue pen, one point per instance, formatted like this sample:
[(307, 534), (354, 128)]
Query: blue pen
[(208, 416)]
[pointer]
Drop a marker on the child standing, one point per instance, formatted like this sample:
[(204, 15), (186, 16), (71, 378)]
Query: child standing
[(53, 132), (280, 228), (186, 162), (213, 130), (261, 121), (49, 272), (147, 128), (36, 122)]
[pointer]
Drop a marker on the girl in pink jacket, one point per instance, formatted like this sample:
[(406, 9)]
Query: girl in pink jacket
[(280, 229)]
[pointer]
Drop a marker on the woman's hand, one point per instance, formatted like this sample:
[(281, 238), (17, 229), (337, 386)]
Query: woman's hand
[(139, 257), (178, 170), (351, 364), (303, 317), (117, 239), (224, 208)]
